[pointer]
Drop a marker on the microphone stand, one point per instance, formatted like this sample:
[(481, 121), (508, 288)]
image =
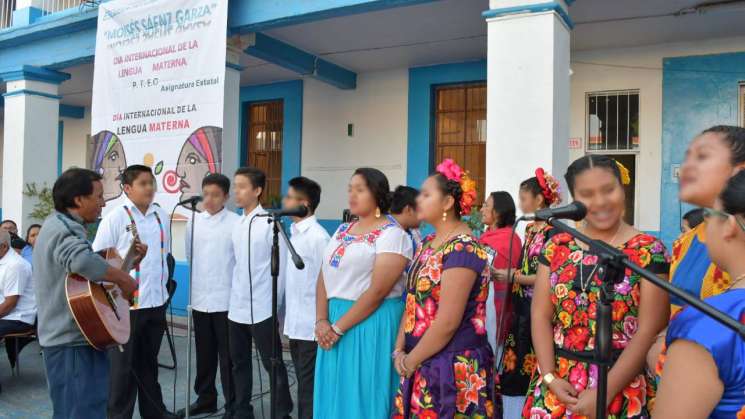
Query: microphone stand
[(276, 352), (612, 265), (192, 206)]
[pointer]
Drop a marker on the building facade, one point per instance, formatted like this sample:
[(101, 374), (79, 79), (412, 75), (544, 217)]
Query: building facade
[(322, 87)]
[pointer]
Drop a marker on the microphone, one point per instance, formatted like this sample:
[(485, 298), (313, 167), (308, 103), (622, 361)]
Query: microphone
[(194, 200), (299, 211), (575, 211)]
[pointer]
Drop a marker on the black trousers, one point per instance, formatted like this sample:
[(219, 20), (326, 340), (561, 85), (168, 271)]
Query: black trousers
[(303, 354), (211, 341), (13, 326), (134, 372), (241, 353)]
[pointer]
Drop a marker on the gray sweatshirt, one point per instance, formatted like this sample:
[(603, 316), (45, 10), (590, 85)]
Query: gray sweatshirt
[(61, 247)]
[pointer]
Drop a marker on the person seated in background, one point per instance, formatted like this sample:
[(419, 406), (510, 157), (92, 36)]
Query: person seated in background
[(403, 212), (10, 226), (691, 220), (702, 368), (17, 302), (31, 233)]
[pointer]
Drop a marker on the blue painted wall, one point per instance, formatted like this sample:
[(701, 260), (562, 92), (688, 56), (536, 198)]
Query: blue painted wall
[(291, 93), (422, 81), (697, 93)]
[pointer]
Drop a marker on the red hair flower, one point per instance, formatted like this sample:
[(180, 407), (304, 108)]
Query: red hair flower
[(550, 187), (452, 171)]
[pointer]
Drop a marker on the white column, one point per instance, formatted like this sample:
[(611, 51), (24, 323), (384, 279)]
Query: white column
[(30, 137), (527, 91), (232, 113)]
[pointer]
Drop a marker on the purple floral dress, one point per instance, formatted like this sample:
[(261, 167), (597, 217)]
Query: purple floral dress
[(458, 382)]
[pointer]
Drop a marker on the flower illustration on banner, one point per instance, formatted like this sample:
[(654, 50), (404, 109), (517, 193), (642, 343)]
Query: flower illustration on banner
[(107, 158)]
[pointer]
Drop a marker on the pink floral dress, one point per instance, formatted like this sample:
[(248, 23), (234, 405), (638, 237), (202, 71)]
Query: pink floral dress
[(458, 382)]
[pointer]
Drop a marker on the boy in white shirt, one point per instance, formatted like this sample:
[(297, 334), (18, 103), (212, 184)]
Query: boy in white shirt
[(213, 263), (134, 371), (309, 240), (250, 310)]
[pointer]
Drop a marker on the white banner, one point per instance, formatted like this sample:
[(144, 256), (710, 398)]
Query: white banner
[(158, 88)]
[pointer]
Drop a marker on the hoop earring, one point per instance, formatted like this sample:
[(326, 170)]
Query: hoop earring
[(444, 216), (377, 212)]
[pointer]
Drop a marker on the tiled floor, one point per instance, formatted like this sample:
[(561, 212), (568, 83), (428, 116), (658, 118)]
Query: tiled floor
[(26, 396)]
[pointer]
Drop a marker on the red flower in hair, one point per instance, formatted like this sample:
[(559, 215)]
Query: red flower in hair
[(550, 188)]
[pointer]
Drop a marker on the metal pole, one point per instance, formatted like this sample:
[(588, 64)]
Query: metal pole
[(189, 320)]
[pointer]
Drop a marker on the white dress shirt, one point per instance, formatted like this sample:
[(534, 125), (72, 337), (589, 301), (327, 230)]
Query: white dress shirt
[(309, 240), (352, 274), (15, 279), (115, 231), (213, 262), (251, 289)]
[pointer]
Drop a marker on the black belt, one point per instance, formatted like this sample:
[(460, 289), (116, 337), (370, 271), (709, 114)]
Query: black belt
[(587, 356)]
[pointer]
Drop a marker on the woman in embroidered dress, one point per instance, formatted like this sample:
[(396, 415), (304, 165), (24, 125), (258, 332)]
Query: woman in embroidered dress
[(704, 366), (442, 352), (565, 299), (359, 306), (518, 359), (712, 158)]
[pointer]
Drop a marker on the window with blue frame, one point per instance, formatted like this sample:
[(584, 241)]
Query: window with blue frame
[(265, 122)]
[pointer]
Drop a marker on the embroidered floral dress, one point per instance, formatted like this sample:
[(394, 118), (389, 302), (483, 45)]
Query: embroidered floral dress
[(458, 382), (518, 360), (574, 321)]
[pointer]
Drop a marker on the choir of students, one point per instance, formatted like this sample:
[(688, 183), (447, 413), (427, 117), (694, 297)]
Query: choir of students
[(384, 323)]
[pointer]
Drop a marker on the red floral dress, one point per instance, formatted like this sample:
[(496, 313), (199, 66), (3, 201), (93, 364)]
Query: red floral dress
[(457, 382), (574, 321), (518, 359)]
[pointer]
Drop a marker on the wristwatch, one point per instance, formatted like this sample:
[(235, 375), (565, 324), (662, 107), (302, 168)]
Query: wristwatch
[(548, 378)]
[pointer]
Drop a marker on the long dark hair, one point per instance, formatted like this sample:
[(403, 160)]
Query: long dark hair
[(378, 185), (588, 162), (504, 208)]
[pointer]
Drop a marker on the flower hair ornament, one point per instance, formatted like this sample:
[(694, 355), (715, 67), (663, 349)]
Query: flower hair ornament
[(550, 187), (625, 174), (450, 169)]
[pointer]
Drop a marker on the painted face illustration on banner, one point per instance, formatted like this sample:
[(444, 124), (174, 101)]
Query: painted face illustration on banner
[(108, 160), (200, 156)]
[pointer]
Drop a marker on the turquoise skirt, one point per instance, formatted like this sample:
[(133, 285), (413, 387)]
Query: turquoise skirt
[(356, 378)]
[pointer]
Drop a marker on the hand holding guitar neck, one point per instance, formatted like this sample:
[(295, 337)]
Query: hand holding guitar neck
[(140, 251)]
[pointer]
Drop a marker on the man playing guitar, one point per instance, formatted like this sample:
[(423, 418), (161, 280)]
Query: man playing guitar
[(78, 374)]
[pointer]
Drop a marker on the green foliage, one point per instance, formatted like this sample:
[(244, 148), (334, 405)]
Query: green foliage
[(45, 203), (474, 222)]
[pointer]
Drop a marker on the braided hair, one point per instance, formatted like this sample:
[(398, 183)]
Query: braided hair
[(450, 188)]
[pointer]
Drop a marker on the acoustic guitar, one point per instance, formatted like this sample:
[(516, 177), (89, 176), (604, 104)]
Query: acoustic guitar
[(99, 308)]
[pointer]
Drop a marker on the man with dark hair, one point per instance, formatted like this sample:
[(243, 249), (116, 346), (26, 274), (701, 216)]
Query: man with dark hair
[(134, 371), (213, 262), (77, 374), (403, 211), (309, 240), (250, 309), (10, 226)]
